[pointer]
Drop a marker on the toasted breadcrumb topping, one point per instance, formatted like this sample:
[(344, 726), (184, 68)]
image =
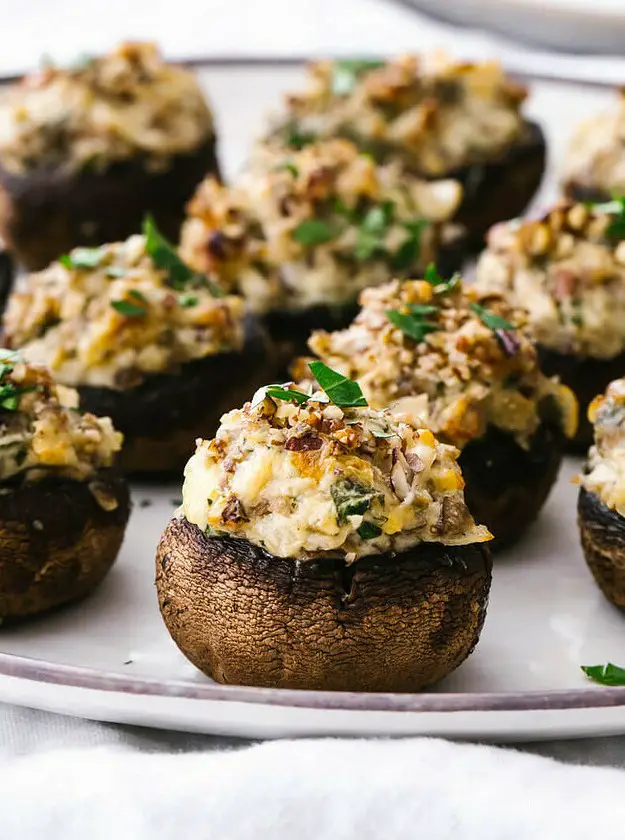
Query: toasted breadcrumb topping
[(42, 433), (471, 365), (111, 108), (317, 226), (568, 271), (314, 479), (110, 317), (431, 112)]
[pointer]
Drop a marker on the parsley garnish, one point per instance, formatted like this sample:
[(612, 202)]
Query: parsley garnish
[(277, 392), (313, 232), (490, 319), (165, 256), (339, 389), (608, 674), (83, 258), (297, 139), (372, 230), (129, 309), (288, 166), (408, 252), (351, 498), (342, 391), (413, 323), (504, 330), (346, 73), (9, 392), (616, 208), (187, 301), (369, 531)]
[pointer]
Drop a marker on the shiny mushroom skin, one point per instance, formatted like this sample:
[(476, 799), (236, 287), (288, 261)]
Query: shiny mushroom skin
[(602, 532), (58, 540), (397, 623)]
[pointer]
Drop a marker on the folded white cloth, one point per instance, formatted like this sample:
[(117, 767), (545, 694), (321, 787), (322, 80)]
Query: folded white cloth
[(309, 790)]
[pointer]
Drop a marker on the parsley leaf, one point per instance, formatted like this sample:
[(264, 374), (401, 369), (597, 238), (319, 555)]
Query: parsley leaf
[(372, 230), (351, 498), (187, 301), (297, 139), (165, 256), (412, 325), (490, 319), (129, 309), (369, 531), (10, 395), (407, 255), (342, 391), (616, 208), (441, 286), (288, 166), (346, 73), (277, 392), (83, 258), (608, 674), (313, 232)]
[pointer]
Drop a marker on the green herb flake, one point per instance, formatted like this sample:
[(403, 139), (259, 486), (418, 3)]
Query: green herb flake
[(165, 256), (369, 531), (313, 232), (372, 230), (129, 309), (188, 301), (490, 319), (297, 139), (346, 73), (608, 674), (351, 498), (83, 258), (288, 166), (615, 208), (277, 392), (412, 325), (407, 255), (10, 395), (341, 391)]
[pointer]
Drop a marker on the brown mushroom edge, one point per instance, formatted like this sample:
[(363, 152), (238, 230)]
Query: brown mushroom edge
[(506, 485), (7, 275), (501, 188), (57, 542), (245, 617), (162, 417), (602, 533), (46, 213), (586, 377), (291, 328)]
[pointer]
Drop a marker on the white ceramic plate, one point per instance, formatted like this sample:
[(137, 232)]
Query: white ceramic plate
[(574, 25), (110, 658)]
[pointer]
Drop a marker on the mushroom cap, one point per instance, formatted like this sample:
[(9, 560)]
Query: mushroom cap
[(602, 532), (57, 541), (383, 623)]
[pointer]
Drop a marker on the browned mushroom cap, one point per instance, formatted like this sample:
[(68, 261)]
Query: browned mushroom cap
[(162, 417), (381, 624), (45, 213), (506, 485), (602, 532), (586, 377), (58, 539), (501, 188)]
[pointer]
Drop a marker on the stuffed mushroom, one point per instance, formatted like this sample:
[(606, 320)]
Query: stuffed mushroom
[(323, 545), (144, 340), (464, 364), (87, 151), (303, 234), (64, 506), (436, 117), (601, 507), (594, 168), (568, 271)]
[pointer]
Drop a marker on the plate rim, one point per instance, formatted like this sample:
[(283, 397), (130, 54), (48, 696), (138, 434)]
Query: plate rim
[(78, 677)]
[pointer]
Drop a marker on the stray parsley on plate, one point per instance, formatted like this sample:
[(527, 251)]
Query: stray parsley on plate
[(608, 674)]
